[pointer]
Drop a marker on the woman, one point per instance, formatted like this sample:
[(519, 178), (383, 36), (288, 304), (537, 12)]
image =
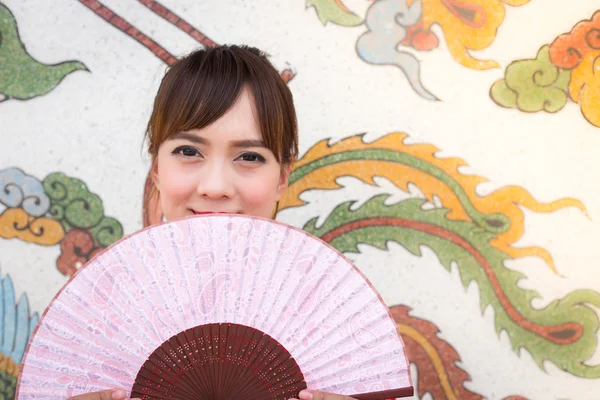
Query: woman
[(223, 138)]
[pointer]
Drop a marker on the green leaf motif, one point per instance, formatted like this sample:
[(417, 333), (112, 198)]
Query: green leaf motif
[(334, 11), (21, 76), (564, 332)]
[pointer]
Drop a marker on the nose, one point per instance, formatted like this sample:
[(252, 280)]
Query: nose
[(215, 182)]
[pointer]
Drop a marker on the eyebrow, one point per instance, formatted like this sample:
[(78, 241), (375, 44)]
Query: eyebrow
[(248, 143), (189, 136), (235, 143)]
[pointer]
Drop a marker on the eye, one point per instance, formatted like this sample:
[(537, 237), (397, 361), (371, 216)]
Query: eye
[(187, 151), (252, 157)]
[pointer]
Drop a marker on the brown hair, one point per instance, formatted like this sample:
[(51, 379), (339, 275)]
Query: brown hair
[(201, 87)]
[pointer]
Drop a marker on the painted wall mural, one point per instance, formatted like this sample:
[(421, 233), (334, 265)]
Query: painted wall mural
[(58, 210), (163, 12), (23, 77), (475, 232), (436, 360), (393, 26), (16, 325), (527, 303), (567, 69)]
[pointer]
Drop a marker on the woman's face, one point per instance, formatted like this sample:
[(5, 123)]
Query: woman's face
[(224, 167)]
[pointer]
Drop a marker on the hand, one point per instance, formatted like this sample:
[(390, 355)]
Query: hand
[(316, 395), (110, 394)]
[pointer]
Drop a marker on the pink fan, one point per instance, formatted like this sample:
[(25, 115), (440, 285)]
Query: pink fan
[(217, 307)]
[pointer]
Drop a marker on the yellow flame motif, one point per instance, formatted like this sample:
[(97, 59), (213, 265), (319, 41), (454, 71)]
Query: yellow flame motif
[(323, 164), (467, 25)]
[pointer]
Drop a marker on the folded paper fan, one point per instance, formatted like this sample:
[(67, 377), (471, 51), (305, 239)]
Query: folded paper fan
[(217, 307)]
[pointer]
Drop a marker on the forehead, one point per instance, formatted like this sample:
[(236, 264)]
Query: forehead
[(240, 122)]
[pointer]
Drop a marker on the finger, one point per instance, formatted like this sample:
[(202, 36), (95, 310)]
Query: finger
[(110, 394), (316, 395)]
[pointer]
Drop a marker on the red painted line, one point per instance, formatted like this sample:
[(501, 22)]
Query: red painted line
[(566, 333), (118, 22)]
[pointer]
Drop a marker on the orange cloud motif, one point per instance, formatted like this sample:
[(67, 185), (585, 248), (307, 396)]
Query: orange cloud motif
[(16, 223), (579, 51), (568, 50)]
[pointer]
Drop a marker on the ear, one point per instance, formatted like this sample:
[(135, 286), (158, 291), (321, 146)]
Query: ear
[(284, 178), (152, 210), (154, 174)]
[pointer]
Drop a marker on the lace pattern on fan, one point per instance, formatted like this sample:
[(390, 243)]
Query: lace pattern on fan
[(130, 300)]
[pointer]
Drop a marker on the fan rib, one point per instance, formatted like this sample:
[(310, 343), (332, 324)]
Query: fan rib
[(263, 369)]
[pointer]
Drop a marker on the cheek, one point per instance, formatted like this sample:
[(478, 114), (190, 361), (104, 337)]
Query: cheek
[(259, 193), (174, 185), (175, 189)]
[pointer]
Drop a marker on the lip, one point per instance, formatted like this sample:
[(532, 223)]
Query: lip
[(213, 212)]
